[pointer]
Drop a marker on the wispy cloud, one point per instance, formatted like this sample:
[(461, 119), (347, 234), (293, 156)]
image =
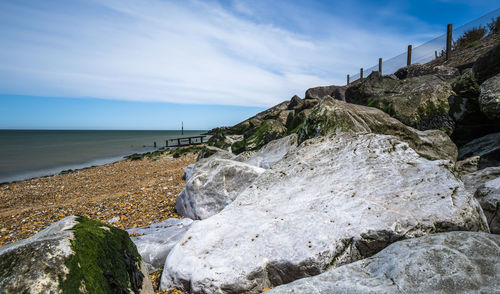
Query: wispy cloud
[(182, 51)]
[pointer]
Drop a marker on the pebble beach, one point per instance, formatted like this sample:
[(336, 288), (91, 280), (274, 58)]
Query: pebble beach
[(124, 194)]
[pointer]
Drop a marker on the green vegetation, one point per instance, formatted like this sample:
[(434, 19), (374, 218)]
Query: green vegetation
[(470, 37), (494, 26), (105, 260)]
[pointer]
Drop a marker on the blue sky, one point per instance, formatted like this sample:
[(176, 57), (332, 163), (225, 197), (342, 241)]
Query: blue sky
[(120, 64)]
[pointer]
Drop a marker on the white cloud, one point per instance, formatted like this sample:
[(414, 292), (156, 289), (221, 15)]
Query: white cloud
[(183, 52)]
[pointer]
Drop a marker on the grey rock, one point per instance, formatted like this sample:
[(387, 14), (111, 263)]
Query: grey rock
[(336, 92), (466, 166), (417, 70), (213, 184), (52, 260), (420, 102), (466, 85), (489, 99), (454, 262), (155, 241), (474, 180), (487, 65), (487, 148), (488, 195), (331, 116), (272, 152), (333, 200)]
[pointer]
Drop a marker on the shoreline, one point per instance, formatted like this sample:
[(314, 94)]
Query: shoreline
[(125, 194)]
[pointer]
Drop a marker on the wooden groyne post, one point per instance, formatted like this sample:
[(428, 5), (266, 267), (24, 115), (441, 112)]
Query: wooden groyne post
[(408, 57), (449, 30)]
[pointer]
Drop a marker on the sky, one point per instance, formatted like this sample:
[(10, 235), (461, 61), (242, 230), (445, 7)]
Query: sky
[(149, 64)]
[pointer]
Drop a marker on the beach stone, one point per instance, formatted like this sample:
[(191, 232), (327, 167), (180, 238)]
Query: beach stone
[(272, 152), (489, 99), (454, 262), (74, 255), (487, 148), (333, 200), (331, 115), (420, 102), (155, 241), (417, 69), (488, 196), (213, 184)]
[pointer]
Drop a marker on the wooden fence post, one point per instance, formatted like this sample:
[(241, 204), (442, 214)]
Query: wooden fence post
[(408, 58), (380, 66), (436, 54), (361, 74), (347, 79), (449, 36)]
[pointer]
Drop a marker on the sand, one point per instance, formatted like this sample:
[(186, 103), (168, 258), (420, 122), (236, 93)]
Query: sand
[(125, 194)]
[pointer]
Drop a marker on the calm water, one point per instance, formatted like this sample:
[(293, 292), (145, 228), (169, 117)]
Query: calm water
[(26, 154)]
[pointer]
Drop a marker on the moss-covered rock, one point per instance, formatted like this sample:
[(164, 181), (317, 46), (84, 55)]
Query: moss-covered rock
[(466, 85), (269, 130), (420, 102), (331, 116), (74, 255), (487, 65)]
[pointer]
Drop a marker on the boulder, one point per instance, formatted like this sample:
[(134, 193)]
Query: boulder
[(489, 99), (208, 151), (337, 92), (213, 184), (420, 102), (487, 65), (74, 255), (488, 196), (487, 148), (295, 102), (454, 262), (466, 166), (333, 200), (331, 116), (466, 85), (155, 241), (474, 180), (269, 130), (272, 152), (417, 70)]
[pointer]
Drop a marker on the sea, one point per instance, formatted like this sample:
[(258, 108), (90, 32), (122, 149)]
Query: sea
[(26, 154)]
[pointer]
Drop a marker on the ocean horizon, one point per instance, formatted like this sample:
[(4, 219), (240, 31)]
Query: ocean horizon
[(26, 154)]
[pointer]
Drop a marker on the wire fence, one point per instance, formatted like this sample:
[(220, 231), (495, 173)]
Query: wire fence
[(427, 51)]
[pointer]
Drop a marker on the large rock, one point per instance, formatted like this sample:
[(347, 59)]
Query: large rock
[(331, 201), (489, 99), (331, 116), (472, 181), (488, 195), (337, 92), (155, 241), (272, 152), (455, 262), (487, 148), (487, 65), (420, 102), (74, 255), (269, 130), (417, 70), (213, 184)]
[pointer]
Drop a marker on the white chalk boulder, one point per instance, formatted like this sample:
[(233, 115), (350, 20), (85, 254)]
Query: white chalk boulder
[(333, 200), (155, 241), (454, 262), (212, 185)]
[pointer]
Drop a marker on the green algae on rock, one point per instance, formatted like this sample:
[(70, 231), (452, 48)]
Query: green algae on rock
[(74, 255)]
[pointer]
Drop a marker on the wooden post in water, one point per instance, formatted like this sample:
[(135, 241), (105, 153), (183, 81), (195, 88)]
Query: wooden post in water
[(182, 129), (154, 144), (189, 140), (380, 66), (449, 36), (361, 74), (408, 57), (179, 141), (166, 143), (347, 79)]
